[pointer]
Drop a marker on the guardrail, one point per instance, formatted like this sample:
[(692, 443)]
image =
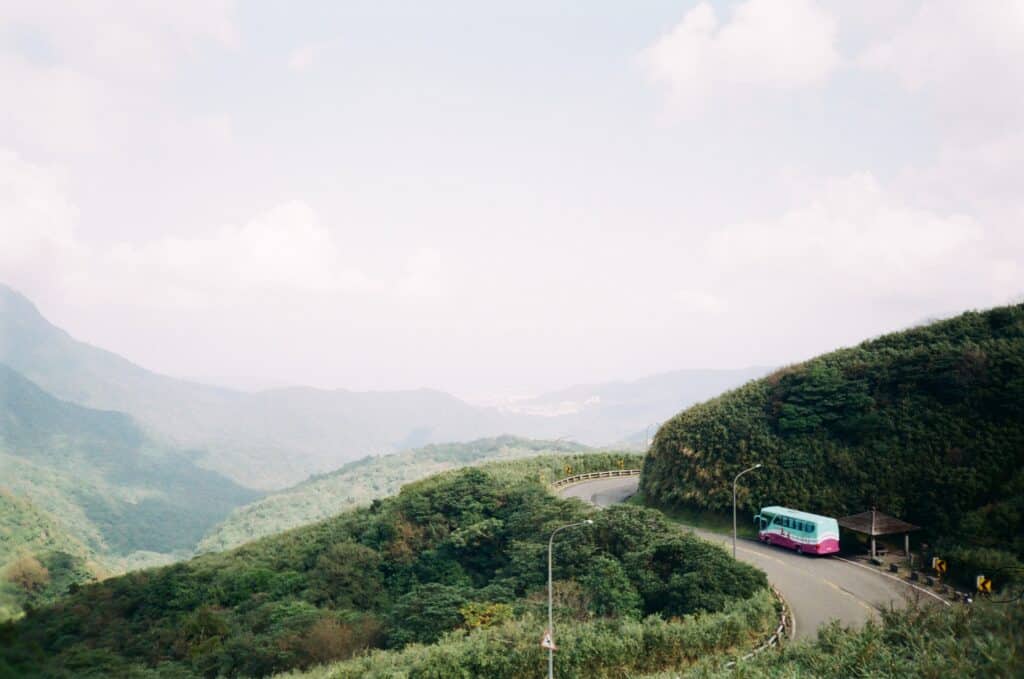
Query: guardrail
[(578, 478), (778, 636)]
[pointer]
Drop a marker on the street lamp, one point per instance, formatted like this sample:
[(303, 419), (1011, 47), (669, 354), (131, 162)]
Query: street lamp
[(551, 625), (750, 469), (647, 435)]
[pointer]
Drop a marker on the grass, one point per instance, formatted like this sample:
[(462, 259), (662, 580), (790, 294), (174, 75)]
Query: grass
[(713, 522)]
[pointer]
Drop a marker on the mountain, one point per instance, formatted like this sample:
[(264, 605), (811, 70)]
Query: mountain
[(613, 412), (263, 440), (926, 424), (276, 438), (360, 482), (111, 487)]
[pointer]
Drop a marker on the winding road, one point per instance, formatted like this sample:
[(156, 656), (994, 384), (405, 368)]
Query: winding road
[(818, 589)]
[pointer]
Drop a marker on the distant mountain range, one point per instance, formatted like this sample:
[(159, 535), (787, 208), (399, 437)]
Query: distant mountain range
[(275, 438)]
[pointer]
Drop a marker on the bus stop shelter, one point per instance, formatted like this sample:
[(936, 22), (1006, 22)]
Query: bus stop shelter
[(874, 524)]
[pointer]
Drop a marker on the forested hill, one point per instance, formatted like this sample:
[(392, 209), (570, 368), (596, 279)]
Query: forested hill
[(358, 483), (926, 424)]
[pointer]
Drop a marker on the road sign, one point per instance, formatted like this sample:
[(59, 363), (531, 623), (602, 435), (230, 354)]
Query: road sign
[(984, 584), (939, 565), (547, 641)]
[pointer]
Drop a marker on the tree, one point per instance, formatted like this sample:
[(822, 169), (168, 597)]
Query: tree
[(27, 573), (611, 592)]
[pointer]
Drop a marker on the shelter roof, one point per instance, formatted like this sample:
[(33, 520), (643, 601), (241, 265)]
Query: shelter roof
[(874, 522)]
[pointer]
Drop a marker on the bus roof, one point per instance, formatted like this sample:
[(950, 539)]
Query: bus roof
[(795, 513)]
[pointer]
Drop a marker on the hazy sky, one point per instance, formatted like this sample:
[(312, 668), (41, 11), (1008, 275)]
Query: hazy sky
[(500, 198)]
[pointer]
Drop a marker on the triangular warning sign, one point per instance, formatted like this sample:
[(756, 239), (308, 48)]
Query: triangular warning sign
[(547, 642)]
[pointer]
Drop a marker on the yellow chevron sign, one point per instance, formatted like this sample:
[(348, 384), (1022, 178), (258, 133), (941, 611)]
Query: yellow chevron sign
[(939, 565), (984, 584)]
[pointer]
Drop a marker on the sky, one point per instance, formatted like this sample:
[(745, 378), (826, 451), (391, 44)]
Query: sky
[(499, 199)]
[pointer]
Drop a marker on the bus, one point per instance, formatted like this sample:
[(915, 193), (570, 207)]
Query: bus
[(806, 533)]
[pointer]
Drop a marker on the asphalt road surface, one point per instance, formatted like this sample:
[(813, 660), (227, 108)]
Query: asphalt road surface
[(818, 589)]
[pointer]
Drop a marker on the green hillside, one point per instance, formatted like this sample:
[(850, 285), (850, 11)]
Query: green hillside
[(101, 481), (926, 424), (360, 482), (458, 557)]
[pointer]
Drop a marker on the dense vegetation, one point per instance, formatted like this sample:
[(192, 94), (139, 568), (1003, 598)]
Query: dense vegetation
[(926, 424), (360, 482), (983, 640), (591, 648), (461, 550)]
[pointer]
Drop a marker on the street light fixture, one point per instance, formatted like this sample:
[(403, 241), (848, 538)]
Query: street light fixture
[(551, 625), (749, 469)]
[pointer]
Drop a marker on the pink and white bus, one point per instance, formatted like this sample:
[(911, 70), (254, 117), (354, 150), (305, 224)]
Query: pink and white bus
[(806, 533)]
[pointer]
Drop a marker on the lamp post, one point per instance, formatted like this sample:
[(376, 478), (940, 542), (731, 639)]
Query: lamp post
[(551, 625), (647, 435), (734, 481)]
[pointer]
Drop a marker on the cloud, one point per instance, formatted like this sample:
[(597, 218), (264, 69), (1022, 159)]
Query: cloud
[(285, 250), (303, 57), (764, 44), (36, 222), (112, 37), (855, 240), (422, 277), (699, 302), (75, 76), (967, 57), (57, 108)]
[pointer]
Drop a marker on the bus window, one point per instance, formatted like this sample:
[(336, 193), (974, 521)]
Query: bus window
[(810, 528), (785, 522), (799, 526)]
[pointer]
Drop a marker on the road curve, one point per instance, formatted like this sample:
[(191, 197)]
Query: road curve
[(818, 589)]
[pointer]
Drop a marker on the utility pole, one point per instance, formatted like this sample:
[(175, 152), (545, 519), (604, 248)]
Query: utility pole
[(551, 624), (734, 481)]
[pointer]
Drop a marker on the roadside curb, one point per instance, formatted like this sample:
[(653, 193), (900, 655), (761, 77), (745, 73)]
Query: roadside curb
[(955, 595)]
